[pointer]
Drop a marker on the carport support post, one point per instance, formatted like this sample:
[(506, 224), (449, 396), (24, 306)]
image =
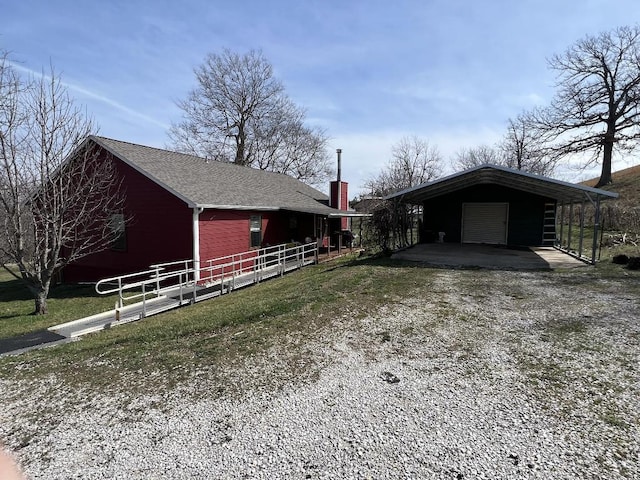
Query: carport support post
[(581, 239), (561, 223), (569, 226), (596, 227)]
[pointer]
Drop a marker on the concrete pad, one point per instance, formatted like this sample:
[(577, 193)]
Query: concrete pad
[(557, 259), (488, 256)]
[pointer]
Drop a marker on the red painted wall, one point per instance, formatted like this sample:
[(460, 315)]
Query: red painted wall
[(226, 232), (160, 230), (223, 232)]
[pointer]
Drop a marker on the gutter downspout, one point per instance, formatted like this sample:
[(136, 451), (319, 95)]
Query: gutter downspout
[(196, 242)]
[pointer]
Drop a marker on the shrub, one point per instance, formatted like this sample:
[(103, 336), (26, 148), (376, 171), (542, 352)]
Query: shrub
[(634, 263), (621, 259)]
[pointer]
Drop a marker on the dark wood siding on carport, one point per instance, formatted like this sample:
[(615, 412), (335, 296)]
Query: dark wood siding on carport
[(526, 213)]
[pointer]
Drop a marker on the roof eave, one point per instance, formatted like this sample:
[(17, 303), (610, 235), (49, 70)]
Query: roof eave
[(261, 208), (473, 172), (348, 214)]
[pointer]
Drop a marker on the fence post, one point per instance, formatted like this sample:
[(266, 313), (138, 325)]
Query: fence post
[(195, 286), (120, 299), (282, 259), (253, 267), (144, 300)]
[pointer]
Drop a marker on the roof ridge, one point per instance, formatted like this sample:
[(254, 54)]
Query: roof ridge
[(212, 183), (205, 160)]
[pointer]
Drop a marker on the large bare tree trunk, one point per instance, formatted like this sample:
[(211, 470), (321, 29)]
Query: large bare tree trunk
[(605, 175), (40, 303), (40, 294)]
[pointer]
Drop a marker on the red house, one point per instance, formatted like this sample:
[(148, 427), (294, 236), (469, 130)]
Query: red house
[(182, 207)]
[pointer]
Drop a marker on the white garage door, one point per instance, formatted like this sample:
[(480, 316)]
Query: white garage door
[(484, 222)]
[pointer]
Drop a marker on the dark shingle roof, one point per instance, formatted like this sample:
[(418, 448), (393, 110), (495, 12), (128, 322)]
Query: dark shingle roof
[(499, 175), (212, 184)]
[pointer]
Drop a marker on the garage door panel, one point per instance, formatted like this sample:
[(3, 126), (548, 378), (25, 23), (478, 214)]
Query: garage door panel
[(484, 223)]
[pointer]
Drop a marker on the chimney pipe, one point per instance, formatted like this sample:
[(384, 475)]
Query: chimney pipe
[(339, 151)]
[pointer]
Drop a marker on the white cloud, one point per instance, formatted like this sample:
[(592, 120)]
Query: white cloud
[(129, 112)]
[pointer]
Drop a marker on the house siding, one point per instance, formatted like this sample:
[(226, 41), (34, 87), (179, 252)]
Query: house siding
[(160, 225), (226, 232), (159, 230), (525, 221)]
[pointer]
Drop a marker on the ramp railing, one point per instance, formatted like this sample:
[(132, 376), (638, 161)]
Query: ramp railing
[(186, 282)]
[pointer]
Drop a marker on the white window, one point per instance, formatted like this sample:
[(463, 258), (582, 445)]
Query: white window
[(255, 230), (118, 232)]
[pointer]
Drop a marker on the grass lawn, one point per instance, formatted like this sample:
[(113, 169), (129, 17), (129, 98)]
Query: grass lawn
[(66, 302), (225, 330)]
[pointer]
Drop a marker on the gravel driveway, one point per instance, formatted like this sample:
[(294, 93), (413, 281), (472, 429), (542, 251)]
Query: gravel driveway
[(481, 374)]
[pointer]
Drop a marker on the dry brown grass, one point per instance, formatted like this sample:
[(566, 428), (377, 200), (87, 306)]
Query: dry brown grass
[(623, 213)]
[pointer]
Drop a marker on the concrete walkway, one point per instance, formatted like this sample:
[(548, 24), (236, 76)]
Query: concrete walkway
[(494, 257), (30, 341)]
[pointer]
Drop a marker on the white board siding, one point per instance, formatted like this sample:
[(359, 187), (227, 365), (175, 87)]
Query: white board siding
[(484, 222)]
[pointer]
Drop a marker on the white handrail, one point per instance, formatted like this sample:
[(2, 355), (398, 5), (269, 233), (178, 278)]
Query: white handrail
[(211, 272)]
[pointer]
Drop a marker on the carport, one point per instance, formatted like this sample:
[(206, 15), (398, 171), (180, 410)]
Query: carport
[(496, 205)]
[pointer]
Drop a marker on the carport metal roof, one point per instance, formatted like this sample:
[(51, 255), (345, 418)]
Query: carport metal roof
[(563, 192)]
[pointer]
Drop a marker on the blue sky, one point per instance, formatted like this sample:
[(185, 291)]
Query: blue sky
[(369, 72)]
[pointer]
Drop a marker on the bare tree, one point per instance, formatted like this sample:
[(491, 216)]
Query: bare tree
[(239, 112), (481, 155), (413, 162), (522, 149), (57, 202), (596, 107)]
